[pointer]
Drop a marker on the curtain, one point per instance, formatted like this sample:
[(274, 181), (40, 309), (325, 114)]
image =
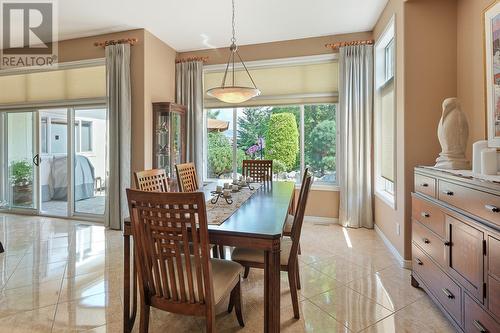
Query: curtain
[(189, 92), (355, 135), (119, 124)]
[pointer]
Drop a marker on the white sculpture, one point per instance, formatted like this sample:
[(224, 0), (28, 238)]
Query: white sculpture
[(453, 132)]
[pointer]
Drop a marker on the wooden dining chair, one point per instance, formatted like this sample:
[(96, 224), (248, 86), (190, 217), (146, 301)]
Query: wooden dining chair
[(171, 278), (287, 229), (187, 177), (154, 180), (289, 249), (259, 170)]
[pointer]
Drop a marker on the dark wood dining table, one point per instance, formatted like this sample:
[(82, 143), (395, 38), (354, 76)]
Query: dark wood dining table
[(256, 224)]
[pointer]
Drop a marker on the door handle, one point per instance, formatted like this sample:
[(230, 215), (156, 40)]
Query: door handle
[(447, 243), (418, 261), (36, 160), (426, 241), (480, 326), (450, 193), (425, 214), (424, 185), (493, 209), (448, 293)]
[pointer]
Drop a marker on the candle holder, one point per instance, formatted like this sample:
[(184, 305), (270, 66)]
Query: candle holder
[(216, 195)]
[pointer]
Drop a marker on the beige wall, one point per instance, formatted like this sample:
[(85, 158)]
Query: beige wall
[(470, 66), (159, 69), (321, 203), (152, 71), (277, 50), (426, 75)]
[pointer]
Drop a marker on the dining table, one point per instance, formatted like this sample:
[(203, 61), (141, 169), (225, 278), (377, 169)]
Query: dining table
[(256, 224)]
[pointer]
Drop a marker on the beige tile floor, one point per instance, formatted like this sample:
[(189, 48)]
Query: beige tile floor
[(66, 276)]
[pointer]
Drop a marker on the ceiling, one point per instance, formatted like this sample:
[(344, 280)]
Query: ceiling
[(200, 24)]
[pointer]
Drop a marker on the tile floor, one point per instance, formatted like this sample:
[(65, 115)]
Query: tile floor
[(66, 276)]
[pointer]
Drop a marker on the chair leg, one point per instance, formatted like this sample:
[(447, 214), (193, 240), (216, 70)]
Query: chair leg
[(210, 322), (235, 300), (300, 251), (215, 251), (293, 291), (247, 271), (222, 254), (297, 273), (144, 320)]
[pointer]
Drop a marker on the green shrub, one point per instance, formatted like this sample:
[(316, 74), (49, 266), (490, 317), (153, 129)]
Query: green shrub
[(21, 173), (282, 141)]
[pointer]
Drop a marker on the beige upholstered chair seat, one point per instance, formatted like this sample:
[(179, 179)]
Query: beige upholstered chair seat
[(288, 224), (257, 256), (225, 275)]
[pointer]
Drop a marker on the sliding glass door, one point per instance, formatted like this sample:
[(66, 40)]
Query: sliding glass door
[(53, 161), (19, 160)]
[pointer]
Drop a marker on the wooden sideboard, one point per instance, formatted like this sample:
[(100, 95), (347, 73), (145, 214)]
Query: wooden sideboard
[(456, 247)]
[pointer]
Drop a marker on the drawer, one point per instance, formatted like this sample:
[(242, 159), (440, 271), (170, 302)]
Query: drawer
[(425, 185), (494, 257), (429, 242), (494, 296), (442, 287), (477, 320), (482, 204), (429, 215)]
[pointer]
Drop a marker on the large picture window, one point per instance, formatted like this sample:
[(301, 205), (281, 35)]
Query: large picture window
[(294, 137)]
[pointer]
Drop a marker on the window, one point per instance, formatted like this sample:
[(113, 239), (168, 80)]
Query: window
[(385, 116), (294, 137), (53, 133)]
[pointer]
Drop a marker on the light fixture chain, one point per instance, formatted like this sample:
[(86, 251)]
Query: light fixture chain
[(233, 39)]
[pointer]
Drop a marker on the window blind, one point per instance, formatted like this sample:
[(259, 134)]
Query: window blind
[(76, 83), (387, 130), (294, 84)]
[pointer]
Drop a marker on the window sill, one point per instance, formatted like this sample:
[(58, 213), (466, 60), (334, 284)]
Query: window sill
[(322, 187), (387, 198)]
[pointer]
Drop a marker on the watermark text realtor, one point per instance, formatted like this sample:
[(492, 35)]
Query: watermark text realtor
[(28, 33)]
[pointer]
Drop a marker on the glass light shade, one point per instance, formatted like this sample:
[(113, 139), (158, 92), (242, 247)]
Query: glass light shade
[(233, 95)]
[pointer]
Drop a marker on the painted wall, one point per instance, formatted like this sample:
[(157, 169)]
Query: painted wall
[(470, 66), (426, 39), (320, 203)]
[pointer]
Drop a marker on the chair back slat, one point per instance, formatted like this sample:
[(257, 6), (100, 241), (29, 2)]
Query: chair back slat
[(298, 218), (154, 180), (186, 177), (259, 170), (170, 233)]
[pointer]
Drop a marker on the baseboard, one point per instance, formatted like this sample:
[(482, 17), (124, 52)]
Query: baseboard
[(321, 220), (404, 263)]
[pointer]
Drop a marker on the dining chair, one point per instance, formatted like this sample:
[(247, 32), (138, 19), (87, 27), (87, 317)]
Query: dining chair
[(186, 177), (171, 278), (287, 229), (289, 249), (154, 180), (259, 170)]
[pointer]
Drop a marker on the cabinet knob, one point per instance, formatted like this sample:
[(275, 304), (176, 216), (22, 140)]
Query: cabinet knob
[(448, 293), (426, 241), (425, 214), (424, 185), (418, 261), (480, 326), (450, 193), (493, 209), (447, 243)]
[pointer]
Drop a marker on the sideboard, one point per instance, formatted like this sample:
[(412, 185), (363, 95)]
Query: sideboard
[(456, 246)]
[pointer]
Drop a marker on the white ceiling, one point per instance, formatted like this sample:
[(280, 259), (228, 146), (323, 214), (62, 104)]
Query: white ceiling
[(200, 24)]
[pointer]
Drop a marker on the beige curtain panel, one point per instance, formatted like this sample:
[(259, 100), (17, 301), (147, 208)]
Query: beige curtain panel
[(355, 137), (189, 92), (119, 122)]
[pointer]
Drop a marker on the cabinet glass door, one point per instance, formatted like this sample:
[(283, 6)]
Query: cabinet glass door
[(162, 149)]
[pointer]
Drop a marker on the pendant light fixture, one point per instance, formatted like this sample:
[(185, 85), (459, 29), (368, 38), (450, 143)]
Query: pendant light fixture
[(233, 93)]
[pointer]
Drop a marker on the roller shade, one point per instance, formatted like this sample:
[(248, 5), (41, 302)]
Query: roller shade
[(387, 131), (295, 84), (86, 82)]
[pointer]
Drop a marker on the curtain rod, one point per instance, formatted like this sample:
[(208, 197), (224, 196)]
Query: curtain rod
[(356, 42), (202, 59), (130, 41)]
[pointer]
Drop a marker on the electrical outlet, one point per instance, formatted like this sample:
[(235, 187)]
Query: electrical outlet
[(398, 229)]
